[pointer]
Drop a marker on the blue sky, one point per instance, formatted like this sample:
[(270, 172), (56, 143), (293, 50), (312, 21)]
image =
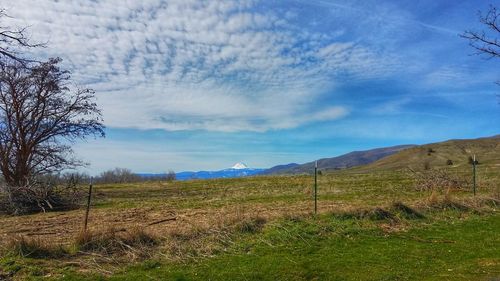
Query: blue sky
[(191, 85)]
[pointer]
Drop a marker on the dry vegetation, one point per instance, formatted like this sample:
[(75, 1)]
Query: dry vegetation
[(181, 221)]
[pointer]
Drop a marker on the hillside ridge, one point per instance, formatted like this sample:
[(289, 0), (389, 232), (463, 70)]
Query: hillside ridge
[(453, 152)]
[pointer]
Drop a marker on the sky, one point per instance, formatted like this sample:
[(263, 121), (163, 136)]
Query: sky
[(201, 85)]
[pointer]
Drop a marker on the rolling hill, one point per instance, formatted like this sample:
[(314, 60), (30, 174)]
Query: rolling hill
[(279, 168), (448, 153), (351, 159)]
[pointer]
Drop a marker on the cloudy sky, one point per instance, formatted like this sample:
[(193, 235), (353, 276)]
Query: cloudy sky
[(190, 85)]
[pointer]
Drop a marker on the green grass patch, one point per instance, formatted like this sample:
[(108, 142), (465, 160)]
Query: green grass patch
[(329, 248)]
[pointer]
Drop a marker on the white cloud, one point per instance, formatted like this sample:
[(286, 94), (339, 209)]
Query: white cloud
[(183, 65)]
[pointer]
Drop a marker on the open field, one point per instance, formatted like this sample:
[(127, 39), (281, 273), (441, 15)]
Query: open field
[(370, 130), (263, 228)]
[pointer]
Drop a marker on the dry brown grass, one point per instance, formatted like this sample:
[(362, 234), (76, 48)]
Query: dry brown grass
[(212, 215), (406, 211), (135, 243), (34, 247), (251, 225), (448, 201), (212, 235), (439, 180), (211, 204)]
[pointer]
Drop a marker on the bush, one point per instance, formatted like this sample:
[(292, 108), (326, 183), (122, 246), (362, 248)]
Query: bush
[(39, 195), (427, 166), (170, 176), (471, 160), (446, 203), (449, 162), (439, 180)]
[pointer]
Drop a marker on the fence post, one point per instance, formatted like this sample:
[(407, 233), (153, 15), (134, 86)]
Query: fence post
[(474, 175), (315, 187), (88, 206)]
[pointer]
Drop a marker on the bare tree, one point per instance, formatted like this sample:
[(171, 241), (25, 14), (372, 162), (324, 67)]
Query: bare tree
[(12, 39), (118, 175), (170, 176), (40, 117), (486, 42)]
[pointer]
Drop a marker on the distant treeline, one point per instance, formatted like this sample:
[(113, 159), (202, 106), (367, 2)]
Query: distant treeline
[(122, 175), (117, 175)]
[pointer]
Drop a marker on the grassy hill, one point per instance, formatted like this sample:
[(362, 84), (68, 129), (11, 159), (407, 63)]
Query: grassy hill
[(487, 151), (351, 159)]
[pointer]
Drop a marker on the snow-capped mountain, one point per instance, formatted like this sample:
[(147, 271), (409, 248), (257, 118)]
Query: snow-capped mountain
[(239, 166), (238, 170)]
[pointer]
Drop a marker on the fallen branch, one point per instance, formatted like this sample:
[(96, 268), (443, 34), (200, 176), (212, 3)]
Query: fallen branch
[(161, 221), (41, 233)]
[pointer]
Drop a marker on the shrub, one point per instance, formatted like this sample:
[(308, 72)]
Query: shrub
[(471, 161), (170, 176), (39, 195), (427, 165), (438, 180), (449, 162), (447, 203)]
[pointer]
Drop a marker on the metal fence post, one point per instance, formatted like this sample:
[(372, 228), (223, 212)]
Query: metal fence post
[(474, 175), (316, 187), (88, 206)]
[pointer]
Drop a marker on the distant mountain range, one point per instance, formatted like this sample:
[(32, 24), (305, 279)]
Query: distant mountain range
[(351, 159), (237, 171), (452, 152), (279, 169), (240, 169)]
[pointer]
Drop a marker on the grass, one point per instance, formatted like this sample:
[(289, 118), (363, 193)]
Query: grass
[(135, 241), (35, 248), (370, 226), (328, 248)]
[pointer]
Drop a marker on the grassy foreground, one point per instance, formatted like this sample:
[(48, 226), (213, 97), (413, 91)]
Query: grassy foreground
[(371, 226), (331, 249)]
